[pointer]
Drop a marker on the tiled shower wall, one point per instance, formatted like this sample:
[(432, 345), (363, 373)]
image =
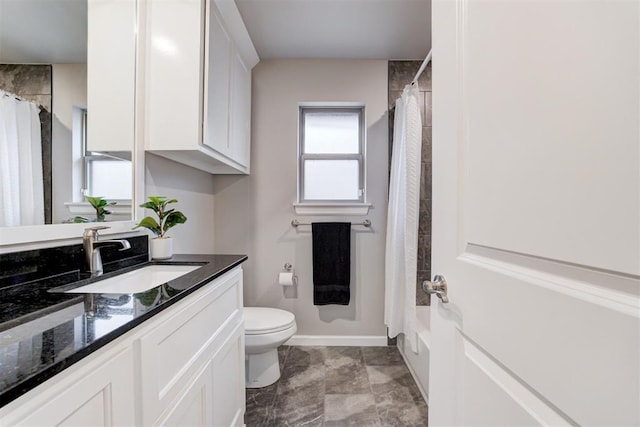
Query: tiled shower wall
[(33, 83), (400, 74)]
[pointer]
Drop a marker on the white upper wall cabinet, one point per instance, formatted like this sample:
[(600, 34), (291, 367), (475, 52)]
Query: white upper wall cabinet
[(199, 59)]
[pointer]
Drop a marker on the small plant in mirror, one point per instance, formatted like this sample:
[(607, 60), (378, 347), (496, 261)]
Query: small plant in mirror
[(100, 205)]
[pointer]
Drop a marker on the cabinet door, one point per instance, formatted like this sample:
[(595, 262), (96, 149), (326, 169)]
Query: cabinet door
[(240, 111), (100, 393), (184, 339), (173, 35), (217, 82), (228, 381), (194, 408)]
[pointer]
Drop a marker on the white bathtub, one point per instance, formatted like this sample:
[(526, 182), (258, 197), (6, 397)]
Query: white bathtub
[(419, 363)]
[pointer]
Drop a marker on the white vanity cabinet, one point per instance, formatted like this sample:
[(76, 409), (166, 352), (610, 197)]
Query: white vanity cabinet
[(198, 64), (183, 366)]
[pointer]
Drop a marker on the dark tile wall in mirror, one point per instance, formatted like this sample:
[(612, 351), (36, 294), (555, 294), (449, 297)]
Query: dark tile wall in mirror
[(400, 74)]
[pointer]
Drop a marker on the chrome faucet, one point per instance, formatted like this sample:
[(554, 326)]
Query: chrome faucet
[(92, 246)]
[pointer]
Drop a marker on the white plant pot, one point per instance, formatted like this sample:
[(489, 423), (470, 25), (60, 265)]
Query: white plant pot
[(161, 248)]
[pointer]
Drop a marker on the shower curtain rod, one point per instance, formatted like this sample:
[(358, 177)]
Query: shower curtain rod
[(10, 95), (422, 67), (21, 99)]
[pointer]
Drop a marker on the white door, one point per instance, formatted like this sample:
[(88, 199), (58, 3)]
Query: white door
[(536, 212)]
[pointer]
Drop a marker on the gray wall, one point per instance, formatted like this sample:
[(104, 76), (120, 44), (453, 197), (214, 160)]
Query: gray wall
[(253, 213), (194, 191), (400, 74), (70, 89)]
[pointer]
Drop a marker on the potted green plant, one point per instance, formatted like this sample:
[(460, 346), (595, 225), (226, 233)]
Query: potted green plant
[(161, 244)]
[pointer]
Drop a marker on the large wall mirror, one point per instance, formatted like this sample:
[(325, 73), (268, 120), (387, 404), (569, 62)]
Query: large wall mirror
[(67, 73)]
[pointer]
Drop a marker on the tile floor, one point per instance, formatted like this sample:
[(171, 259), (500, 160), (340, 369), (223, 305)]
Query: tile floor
[(338, 386)]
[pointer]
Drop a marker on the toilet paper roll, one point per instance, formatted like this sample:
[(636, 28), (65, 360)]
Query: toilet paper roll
[(287, 278)]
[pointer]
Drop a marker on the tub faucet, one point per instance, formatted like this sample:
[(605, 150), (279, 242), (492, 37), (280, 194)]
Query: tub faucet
[(92, 246)]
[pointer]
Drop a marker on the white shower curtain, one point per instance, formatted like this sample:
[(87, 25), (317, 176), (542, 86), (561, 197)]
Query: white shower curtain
[(21, 186), (402, 219)]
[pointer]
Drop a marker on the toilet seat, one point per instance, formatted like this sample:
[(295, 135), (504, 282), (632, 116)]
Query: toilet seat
[(265, 320)]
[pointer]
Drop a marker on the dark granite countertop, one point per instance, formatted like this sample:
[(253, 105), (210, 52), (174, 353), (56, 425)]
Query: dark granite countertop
[(44, 331)]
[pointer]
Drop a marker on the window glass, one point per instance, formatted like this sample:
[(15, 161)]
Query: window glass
[(110, 179), (332, 132), (331, 179)]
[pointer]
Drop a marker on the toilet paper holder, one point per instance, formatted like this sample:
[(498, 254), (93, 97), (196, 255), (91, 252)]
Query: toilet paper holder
[(287, 277)]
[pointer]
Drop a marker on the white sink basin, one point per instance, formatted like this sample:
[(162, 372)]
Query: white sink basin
[(136, 281)]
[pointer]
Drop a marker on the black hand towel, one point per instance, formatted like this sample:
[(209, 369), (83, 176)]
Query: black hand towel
[(331, 262)]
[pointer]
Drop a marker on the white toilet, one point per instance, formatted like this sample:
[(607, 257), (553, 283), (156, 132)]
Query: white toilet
[(264, 330)]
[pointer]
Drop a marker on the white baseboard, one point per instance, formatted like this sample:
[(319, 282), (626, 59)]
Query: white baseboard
[(338, 340)]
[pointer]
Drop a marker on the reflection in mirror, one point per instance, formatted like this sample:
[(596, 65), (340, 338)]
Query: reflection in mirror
[(46, 170)]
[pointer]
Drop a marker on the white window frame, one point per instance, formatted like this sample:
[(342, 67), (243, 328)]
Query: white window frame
[(315, 206), (80, 165)]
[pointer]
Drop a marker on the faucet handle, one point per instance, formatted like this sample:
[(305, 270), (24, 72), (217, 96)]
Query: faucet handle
[(93, 231)]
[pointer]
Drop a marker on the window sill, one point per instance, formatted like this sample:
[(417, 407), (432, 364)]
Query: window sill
[(331, 208), (84, 208)]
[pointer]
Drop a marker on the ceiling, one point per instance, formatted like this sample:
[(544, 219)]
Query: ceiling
[(55, 31), (358, 29), (43, 31)]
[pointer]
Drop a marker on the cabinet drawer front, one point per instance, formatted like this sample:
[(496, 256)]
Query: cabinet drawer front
[(177, 347)]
